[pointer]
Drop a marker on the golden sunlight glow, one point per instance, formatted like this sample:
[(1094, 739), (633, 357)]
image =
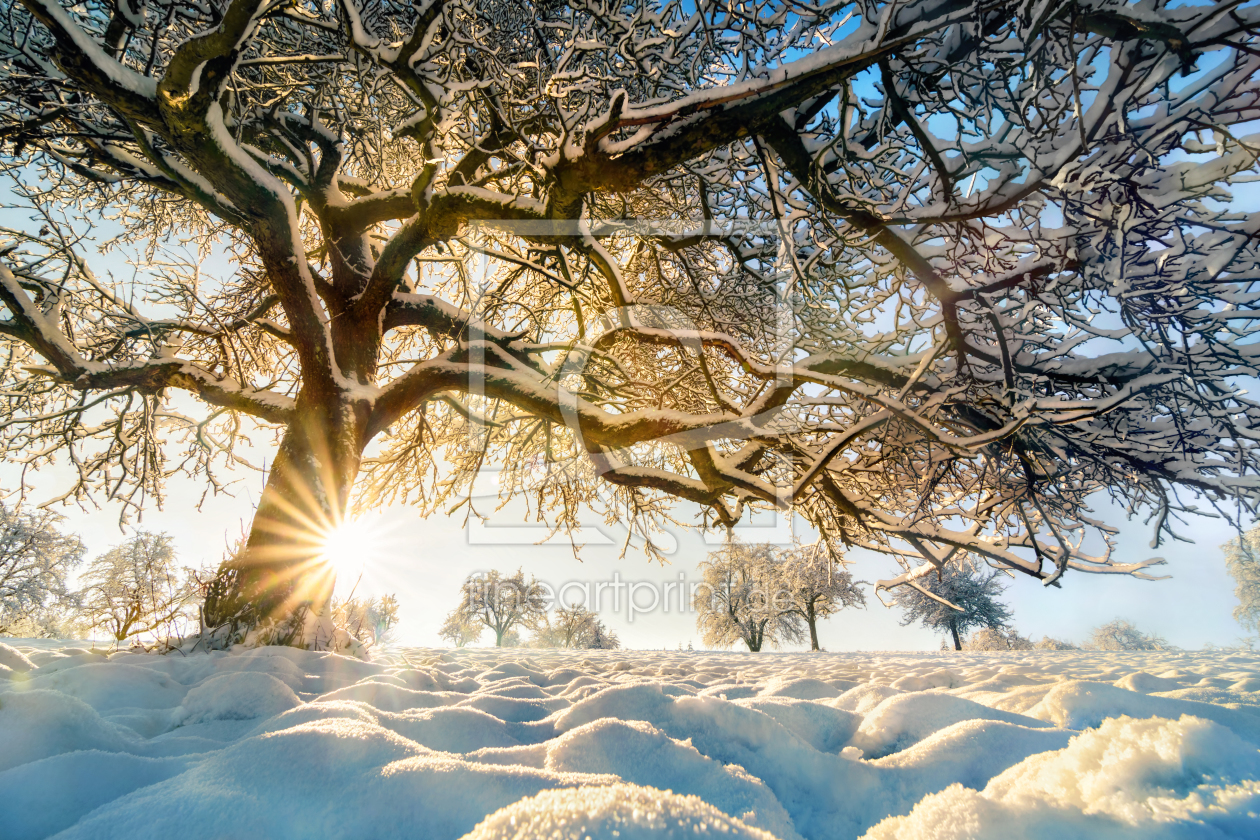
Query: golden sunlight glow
[(350, 547)]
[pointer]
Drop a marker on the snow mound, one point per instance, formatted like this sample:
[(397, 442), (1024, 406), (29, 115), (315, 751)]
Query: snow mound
[(623, 812), (37, 724), (284, 743), (14, 659), (1148, 779), (640, 753), (905, 719), (106, 686), (1081, 704), (240, 695), (41, 798)]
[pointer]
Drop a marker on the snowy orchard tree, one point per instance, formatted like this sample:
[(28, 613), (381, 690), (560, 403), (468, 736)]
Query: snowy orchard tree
[(742, 597), (1121, 634), (998, 638), (953, 601), (503, 604), (35, 560), (136, 587), (460, 629), (817, 586), (929, 273), (573, 627), (1242, 561)]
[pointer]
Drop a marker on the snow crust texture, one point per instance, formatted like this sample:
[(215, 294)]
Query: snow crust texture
[(492, 745)]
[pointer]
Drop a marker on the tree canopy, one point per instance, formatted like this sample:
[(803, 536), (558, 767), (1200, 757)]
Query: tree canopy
[(929, 273)]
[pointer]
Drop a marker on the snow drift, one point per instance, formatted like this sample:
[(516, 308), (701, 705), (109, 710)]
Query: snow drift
[(492, 745)]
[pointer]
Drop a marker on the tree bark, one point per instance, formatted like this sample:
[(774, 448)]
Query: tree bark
[(812, 620), (953, 629), (279, 575)]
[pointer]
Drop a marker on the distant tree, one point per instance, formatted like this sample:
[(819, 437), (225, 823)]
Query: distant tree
[(461, 629), (1242, 561), (741, 598), (35, 558), (137, 588), (573, 627), (1121, 634), (954, 600), (816, 586), (500, 603), (512, 638), (1050, 643), (602, 638), (997, 638)]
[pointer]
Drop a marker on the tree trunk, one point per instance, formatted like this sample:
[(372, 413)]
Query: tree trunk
[(812, 620), (953, 629), (498, 637), (278, 575)]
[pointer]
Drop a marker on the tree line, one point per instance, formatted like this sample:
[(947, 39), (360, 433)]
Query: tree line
[(506, 605), (137, 588)]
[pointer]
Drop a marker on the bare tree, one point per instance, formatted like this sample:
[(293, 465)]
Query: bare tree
[(503, 604), (742, 598), (954, 601), (35, 559), (1242, 561), (136, 588), (1121, 634), (929, 273), (817, 586), (573, 627)]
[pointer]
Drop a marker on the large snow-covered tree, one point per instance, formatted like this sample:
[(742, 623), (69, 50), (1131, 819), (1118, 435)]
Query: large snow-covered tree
[(928, 272)]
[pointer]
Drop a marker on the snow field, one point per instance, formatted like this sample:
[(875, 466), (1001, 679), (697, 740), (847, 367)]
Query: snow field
[(283, 743)]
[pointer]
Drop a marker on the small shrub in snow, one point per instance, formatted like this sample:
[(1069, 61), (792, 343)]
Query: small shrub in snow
[(997, 638)]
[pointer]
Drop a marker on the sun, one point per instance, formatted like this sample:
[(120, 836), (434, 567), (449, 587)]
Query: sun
[(351, 546)]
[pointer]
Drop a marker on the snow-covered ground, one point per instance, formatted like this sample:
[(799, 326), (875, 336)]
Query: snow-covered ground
[(280, 743)]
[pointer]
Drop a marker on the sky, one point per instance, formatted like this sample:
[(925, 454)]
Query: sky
[(423, 562)]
